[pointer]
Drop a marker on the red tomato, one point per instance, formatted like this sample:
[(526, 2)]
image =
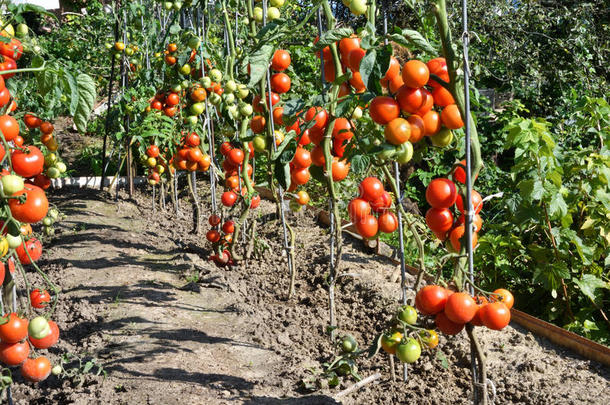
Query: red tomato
[(14, 330), (34, 248), (388, 222), (439, 219), (367, 226), (460, 307), (370, 188), (446, 325), (29, 162), (431, 299), (48, 340), (33, 209), (441, 193), (495, 315)]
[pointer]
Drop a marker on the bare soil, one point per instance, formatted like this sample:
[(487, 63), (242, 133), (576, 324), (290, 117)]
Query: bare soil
[(129, 300)]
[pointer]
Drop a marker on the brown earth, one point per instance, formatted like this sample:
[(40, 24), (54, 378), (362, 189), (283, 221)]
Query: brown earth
[(128, 300)]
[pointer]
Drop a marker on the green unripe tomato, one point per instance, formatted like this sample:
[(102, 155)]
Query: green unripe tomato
[(47, 221), (215, 75), (408, 352), (206, 81), (233, 111), (260, 143), (11, 183), (349, 344), (53, 172), (22, 31), (176, 88), (56, 370), (273, 13), (185, 69), (246, 110), (214, 98), (242, 91), (442, 138), (258, 14), (230, 86), (358, 7), (38, 328), (191, 120), (54, 214), (229, 98), (357, 114), (194, 43), (405, 153), (61, 166), (408, 314), (277, 3), (177, 5), (168, 5), (197, 108), (14, 241)]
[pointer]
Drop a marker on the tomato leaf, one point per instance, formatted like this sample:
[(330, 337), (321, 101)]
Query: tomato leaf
[(332, 36), (375, 346), (259, 63), (282, 173), (86, 99), (589, 283), (443, 359), (411, 38), (360, 163)]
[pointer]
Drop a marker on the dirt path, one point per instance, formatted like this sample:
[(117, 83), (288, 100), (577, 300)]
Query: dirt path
[(231, 339)]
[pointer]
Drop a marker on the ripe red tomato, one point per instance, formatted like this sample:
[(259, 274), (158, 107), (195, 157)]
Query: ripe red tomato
[(33, 209), (9, 127), (410, 99), (456, 234), (172, 99), (302, 158), (459, 174), (28, 162), (280, 83), (495, 315), (300, 176), (34, 248), (31, 121), (441, 193), (340, 169), (14, 330), (432, 122), (382, 203), (370, 188), (446, 325), (319, 115), (228, 227), (358, 208), (451, 117), (388, 222), (438, 66), (354, 58), (13, 354), (384, 109), (367, 226), (214, 220), (442, 97), (415, 73), (417, 128), (255, 201), (48, 340), (504, 296), (228, 198), (235, 157), (152, 151), (477, 202), (398, 131), (460, 307), (347, 45), (36, 370), (12, 49), (213, 235), (342, 129), (431, 299), (439, 220), (39, 299), (280, 60), (8, 64)]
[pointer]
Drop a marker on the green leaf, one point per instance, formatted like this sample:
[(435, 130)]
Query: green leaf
[(86, 99), (332, 36), (259, 63), (443, 359), (175, 29), (72, 85), (375, 346), (282, 174), (531, 190), (589, 283), (360, 163), (411, 38), (558, 206)]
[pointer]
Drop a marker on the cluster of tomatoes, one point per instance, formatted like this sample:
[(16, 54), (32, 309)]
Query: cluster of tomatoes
[(18, 334), (373, 198), (442, 194), (168, 103), (232, 164), (404, 339), (452, 310), (273, 11), (221, 237)]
